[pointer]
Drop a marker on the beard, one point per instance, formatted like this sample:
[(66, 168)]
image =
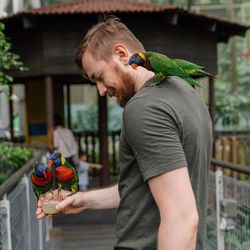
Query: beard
[(127, 89)]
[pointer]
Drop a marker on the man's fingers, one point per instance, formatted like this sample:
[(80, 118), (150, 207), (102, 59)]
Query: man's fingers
[(39, 211), (40, 215), (68, 201)]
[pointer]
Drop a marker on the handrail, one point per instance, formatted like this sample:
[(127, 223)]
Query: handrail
[(232, 166), (7, 186)]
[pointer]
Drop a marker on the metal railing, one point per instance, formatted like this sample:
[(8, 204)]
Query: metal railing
[(228, 212), (19, 228)]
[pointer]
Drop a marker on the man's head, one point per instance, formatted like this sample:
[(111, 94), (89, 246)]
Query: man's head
[(103, 57)]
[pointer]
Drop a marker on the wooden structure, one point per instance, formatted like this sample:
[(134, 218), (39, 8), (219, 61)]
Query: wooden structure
[(46, 39)]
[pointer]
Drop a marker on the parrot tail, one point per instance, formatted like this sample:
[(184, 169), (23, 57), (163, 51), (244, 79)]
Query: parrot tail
[(193, 82), (205, 73)]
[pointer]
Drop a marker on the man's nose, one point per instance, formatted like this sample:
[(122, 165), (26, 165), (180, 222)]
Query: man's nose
[(101, 89)]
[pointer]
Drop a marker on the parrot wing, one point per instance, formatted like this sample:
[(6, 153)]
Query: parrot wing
[(192, 69), (187, 65), (163, 64)]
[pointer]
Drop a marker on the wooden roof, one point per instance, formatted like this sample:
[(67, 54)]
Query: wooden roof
[(221, 26)]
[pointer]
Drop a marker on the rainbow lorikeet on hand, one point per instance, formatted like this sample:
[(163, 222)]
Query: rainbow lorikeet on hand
[(163, 67), (41, 179), (66, 175)]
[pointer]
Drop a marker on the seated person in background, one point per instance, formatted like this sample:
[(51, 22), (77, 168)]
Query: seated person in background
[(83, 171)]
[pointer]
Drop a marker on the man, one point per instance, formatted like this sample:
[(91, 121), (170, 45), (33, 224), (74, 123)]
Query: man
[(165, 148)]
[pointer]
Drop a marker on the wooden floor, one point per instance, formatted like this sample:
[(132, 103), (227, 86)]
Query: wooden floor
[(90, 230)]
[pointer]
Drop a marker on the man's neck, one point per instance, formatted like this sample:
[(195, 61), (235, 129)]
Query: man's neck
[(142, 75)]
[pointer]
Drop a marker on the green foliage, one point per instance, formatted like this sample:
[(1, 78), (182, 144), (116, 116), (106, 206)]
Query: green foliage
[(50, 2), (8, 61), (86, 118), (231, 107), (12, 158)]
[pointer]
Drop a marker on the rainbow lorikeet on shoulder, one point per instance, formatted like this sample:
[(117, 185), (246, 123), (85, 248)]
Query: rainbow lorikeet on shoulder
[(66, 175), (163, 67), (41, 179)]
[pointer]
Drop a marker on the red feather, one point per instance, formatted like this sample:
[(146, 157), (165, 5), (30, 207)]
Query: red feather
[(64, 174), (42, 181)]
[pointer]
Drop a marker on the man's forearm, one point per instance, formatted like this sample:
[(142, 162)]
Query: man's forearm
[(177, 234), (102, 198)]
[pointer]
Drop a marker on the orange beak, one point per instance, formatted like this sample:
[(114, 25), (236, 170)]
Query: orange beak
[(134, 66)]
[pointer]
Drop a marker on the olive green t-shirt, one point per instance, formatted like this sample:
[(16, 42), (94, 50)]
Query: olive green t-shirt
[(164, 128)]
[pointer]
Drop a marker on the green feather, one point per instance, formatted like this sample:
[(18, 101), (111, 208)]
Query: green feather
[(168, 67), (192, 69)]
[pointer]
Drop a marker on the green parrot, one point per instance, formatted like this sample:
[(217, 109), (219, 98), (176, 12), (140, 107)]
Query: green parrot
[(163, 67), (41, 179), (66, 175)]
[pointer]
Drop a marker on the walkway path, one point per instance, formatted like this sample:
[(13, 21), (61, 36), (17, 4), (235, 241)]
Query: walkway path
[(90, 230)]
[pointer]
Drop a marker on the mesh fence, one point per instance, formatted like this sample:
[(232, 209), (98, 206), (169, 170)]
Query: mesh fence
[(19, 218), (211, 214), (3, 228), (24, 231), (237, 234), (239, 237)]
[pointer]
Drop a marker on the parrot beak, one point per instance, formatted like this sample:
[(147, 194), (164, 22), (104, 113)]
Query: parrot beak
[(51, 162), (134, 66), (44, 174)]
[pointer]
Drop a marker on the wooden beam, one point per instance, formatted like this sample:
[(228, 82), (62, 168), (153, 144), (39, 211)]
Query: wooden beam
[(49, 101), (11, 112), (68, 106), (212, 113), (103, 138)]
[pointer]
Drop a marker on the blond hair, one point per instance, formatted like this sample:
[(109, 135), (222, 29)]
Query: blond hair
[(102, 37)]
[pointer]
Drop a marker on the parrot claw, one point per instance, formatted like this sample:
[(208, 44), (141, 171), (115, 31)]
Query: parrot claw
[(59, 189), (72, 193)]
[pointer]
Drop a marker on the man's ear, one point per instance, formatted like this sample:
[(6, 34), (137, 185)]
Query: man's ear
[(121, 52)]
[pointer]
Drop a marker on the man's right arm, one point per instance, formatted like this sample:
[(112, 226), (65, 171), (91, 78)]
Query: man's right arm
[(95, 199)]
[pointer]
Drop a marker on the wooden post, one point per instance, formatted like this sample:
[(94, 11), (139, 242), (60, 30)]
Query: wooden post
[(234, 151), (224, 143), (11, 115), (68, 106), (212, 115), (49, 102), (103, 138)]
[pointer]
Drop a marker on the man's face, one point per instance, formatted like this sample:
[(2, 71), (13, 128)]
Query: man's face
[(111, 77)]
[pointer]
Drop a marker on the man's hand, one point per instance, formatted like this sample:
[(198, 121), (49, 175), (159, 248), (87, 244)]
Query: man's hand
[(68, 204), (94, 199)]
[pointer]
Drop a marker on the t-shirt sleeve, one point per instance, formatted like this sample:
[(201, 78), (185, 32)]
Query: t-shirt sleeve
[(153, 132)]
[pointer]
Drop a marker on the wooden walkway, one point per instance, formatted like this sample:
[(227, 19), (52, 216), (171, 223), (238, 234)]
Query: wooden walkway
[(90, 230)]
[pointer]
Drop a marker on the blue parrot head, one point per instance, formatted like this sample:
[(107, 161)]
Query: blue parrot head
[(137, 59), (40, 170), (55, 159)]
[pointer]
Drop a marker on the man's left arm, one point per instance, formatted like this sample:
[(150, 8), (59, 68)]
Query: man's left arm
[(174, 197)]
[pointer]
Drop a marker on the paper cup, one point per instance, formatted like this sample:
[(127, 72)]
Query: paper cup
[(49, 207)]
